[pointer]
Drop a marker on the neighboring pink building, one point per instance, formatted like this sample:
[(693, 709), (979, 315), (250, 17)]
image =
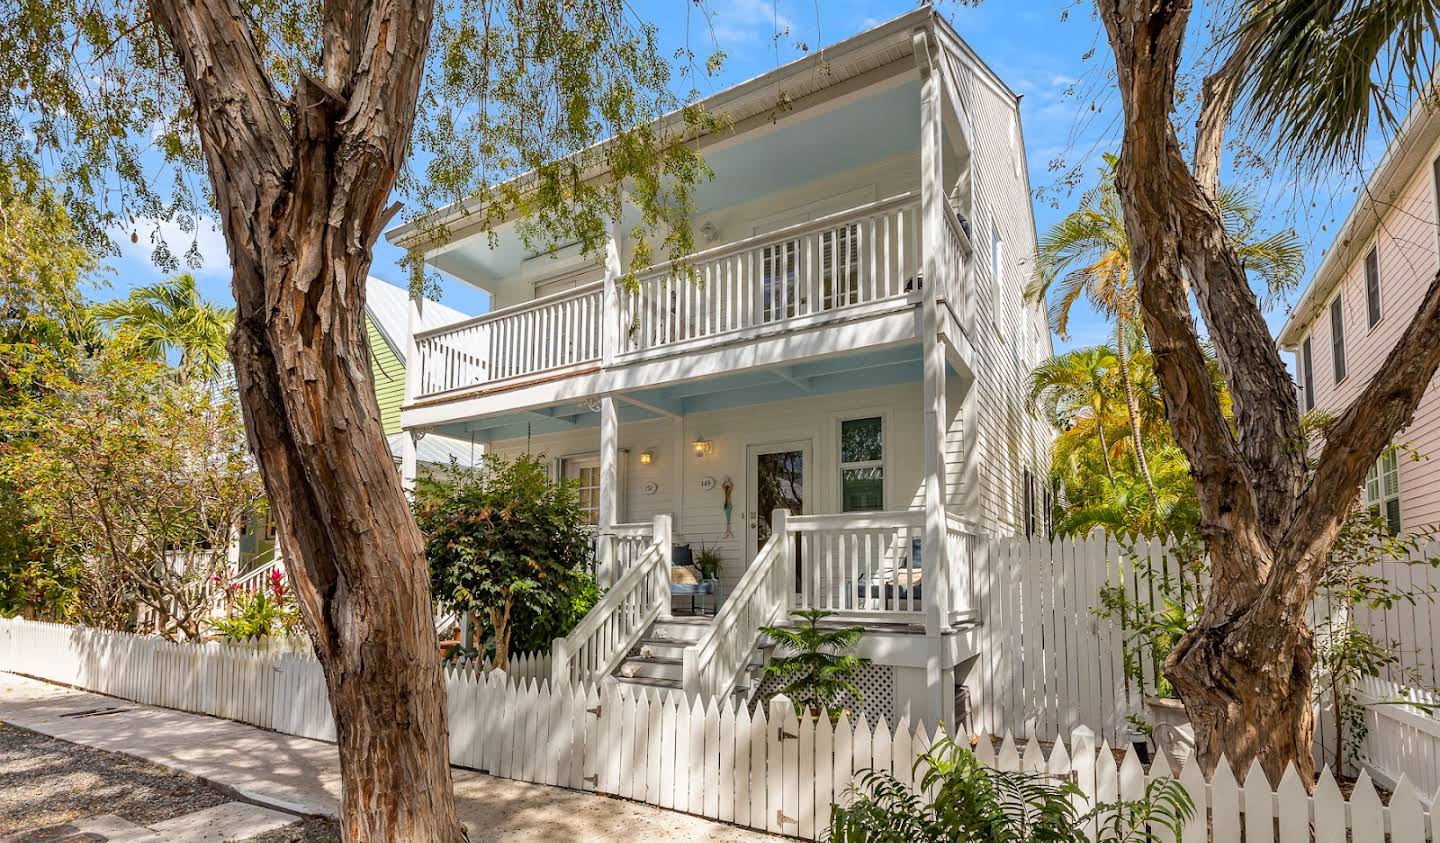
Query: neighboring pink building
[(1358, 303)]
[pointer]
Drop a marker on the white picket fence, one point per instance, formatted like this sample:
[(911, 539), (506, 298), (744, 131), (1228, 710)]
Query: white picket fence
[(768, 770)]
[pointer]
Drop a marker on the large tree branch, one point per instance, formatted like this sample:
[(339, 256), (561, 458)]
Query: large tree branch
[(1217, 101), (1355, 440)]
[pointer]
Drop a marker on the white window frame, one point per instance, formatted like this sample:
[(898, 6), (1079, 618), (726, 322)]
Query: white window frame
[(1339, 366), (586, 457), (1305, 362), (841, 465), (1373, 319), (1382, 486)]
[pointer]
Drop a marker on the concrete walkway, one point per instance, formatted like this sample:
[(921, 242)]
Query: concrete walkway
[(303, 776)]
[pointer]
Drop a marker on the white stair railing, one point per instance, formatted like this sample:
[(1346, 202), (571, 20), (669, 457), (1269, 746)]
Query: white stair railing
[(600, 641), (252, 581), (713, 665)]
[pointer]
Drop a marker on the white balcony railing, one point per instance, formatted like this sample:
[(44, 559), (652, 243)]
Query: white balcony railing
[(548, 334), (801, 275), (855, 257)]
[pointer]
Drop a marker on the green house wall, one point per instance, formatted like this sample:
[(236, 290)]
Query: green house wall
[(389, 375)]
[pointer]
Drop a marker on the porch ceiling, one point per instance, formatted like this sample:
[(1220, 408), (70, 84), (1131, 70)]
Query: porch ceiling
[(862, 370)]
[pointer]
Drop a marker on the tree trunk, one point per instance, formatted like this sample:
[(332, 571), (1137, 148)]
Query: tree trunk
[(1104, 446), (302, 197), (1268, 522), (1132, 409)]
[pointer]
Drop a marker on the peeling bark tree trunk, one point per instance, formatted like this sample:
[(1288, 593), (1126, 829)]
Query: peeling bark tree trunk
[(302, 198), (1244, 671)]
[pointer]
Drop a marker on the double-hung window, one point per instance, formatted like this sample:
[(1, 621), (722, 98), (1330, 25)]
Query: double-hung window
[(997, 262), (1372, 285), (1307, 376), (1337, 338), (862, 464), (1382, 489), (1030, 504)]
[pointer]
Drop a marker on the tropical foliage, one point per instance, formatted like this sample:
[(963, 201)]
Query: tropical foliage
[(1115, 460), (507, 546), (814, 665), (957, 797), (265, 612), (171, 317)]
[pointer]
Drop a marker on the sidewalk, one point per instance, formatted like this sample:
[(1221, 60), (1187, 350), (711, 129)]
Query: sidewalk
[(303, 776)]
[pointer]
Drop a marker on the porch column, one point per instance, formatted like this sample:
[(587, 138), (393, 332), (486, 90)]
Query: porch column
[(609, 487), (409, 462), (935, 554), (610, 327)]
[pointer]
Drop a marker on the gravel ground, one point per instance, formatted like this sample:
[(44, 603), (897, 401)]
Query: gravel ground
[(46, 782), (310, 830)]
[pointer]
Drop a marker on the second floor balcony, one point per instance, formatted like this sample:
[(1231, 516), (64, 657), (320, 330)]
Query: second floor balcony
[(841, 269)]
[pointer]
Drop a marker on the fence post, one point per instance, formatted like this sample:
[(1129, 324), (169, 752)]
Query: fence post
[(662, 537), (559, 663)]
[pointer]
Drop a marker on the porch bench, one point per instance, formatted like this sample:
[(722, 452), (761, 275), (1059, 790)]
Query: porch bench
[(710, 587)]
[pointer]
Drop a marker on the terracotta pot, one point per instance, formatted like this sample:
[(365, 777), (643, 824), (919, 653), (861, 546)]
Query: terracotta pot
[(1173, 735)]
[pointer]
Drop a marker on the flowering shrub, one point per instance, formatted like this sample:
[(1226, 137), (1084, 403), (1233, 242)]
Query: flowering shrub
[(262, 613)]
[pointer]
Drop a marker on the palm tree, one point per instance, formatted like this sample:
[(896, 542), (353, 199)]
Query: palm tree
[(171, 316), (1087, 255), (1075, 391)]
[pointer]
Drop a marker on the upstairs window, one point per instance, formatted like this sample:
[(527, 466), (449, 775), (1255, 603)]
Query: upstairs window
[(862, 465), (1382, 489), (1307, 377), (1372, 285), (1337, 338)]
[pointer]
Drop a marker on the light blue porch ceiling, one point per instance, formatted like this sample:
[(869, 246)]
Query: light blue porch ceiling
[(862, 370), (803, 147)]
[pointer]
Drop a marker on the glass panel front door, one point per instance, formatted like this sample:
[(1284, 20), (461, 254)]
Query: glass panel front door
[(777, 481)]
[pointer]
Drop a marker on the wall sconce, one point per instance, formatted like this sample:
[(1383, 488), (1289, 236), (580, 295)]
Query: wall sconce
[(702, 447), (646, 457)]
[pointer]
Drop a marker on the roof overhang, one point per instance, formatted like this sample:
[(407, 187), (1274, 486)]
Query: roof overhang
[(1407, 153)]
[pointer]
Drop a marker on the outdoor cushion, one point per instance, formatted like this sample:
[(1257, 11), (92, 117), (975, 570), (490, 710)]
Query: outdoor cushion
[(684, 575)]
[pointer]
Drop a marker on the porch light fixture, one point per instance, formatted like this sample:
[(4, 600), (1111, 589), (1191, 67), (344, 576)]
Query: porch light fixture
[(646, 457), (702, 447)]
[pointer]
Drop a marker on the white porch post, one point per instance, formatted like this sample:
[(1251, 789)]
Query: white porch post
[(663, 536), (610, 328), (939, 698), (609, 488), (409, 462)]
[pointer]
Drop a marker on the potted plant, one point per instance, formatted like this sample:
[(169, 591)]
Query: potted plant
[(1152, 635), (814, 664), (708, 560)]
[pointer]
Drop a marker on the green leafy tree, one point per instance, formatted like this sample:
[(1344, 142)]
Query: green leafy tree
[(44, 334), (957, 797), (507, 545), (171, 316), (305, 128), (814, 665), (140, 480)]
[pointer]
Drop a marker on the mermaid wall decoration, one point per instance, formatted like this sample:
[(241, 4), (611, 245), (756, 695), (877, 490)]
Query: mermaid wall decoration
[(728, 487)]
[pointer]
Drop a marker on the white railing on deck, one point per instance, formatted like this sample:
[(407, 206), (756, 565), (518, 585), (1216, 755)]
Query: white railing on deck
[(550, 333), (855, 257), (714, 663), (600, 641), (962, 539), (866, 563), (629, 542), (955, 253)]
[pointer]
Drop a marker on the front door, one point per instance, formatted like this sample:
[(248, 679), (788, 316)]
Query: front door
[(776, 476)]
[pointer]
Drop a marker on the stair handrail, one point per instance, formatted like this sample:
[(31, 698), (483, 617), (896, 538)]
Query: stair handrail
[(597, 645), (713, 664), (254, 580)]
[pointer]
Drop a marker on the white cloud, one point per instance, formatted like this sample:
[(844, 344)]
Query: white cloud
[(745, 24), (206, 238)]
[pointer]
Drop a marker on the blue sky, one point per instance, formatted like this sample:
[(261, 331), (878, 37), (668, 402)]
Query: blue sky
[(1050, 51)]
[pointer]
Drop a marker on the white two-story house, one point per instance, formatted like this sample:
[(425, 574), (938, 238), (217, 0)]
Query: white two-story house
[(836, 404)]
